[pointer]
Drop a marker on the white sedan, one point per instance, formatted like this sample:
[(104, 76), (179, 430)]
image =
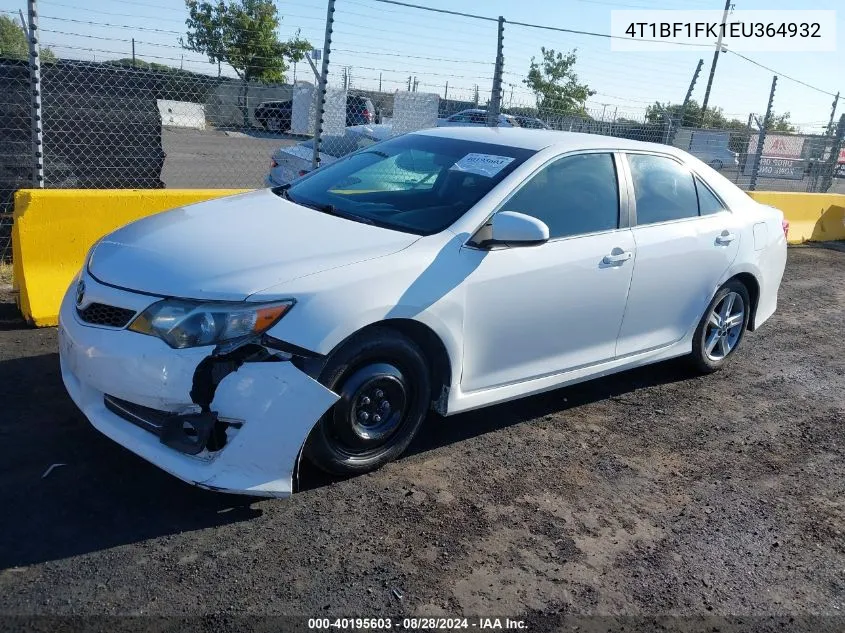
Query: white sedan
[(442, 270)]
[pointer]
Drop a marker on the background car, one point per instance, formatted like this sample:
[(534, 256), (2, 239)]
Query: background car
[(717, 157), (294, 161), (275, 116), (531, 123), (475, 117), (359, 110)]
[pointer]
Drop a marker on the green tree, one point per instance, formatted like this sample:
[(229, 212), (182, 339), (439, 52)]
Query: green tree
[(781, 123), (13, 42), (141, 64), (555, 84), (692, 115), (242, 34)]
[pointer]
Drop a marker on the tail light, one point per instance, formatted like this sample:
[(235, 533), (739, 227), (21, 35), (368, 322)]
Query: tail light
[(367, 115), (302, 172), (785, 226)]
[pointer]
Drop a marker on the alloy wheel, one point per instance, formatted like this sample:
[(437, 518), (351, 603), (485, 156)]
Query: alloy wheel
[(724, 326)]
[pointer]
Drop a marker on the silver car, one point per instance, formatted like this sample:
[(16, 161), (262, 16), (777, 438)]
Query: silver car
[(289, 163), (475, 117)]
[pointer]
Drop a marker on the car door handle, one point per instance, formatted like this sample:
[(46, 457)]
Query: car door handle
[(725, 238), (617, 258)]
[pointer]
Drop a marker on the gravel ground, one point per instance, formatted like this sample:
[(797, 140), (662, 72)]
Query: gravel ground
[(651, 493)]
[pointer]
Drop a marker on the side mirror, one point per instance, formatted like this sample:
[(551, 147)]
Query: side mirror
[(517, 229)]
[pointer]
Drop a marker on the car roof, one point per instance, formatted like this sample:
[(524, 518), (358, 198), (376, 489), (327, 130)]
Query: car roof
[(538, 139)]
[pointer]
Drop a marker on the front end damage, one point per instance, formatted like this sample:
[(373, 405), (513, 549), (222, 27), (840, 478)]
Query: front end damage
[(233, 422)]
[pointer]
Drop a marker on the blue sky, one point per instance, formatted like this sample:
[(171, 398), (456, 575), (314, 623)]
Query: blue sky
[(392, 42)]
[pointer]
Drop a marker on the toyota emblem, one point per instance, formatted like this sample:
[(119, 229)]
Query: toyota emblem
[(80, 292)]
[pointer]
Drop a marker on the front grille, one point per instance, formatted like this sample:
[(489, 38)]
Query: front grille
[(149, 419), (102, 314)]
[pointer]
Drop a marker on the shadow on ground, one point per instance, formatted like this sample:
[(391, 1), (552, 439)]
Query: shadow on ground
[(104, 496)]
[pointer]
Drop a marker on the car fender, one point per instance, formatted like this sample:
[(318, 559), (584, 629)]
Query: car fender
[(421, 283)]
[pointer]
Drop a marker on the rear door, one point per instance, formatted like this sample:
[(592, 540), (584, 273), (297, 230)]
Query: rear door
[(685, 239)]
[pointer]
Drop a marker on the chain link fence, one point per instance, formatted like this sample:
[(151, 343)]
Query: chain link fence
[(112, 121)]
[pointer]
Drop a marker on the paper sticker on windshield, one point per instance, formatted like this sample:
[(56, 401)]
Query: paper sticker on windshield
[(482, 164)]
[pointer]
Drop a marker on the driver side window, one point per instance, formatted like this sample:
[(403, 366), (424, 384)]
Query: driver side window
[(572, 195)]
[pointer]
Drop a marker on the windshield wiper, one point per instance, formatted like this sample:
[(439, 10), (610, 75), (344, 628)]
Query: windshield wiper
[(330, 209), (283, 191)]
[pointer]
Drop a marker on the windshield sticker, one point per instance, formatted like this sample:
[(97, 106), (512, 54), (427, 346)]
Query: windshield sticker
[(482, 164)]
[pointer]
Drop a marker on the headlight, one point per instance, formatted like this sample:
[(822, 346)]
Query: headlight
[(183, 324)]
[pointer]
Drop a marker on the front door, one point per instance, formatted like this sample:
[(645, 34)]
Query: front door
[(533, 311)]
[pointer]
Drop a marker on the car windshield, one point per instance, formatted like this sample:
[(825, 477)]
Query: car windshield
[(413, 183)]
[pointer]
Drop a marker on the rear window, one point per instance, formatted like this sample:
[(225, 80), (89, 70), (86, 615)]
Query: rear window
[(414, 183)]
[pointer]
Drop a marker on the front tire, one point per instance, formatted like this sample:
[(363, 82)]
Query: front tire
[(716, 164), (383, 382), (722, 327)]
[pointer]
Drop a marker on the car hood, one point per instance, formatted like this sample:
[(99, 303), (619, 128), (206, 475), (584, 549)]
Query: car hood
[(229, 248)]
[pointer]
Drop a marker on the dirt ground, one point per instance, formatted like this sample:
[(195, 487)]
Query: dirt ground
[(652, 493)]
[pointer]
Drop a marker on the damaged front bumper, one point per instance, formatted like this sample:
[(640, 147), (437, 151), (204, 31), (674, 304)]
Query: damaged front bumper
[(143, 394)]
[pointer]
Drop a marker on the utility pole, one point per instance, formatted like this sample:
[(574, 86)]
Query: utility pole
[(133, 52), (416, 83), (715, 61), (182, 63), (830, 127), (379, 82), (446, 90), (409, 82), (496, 94)]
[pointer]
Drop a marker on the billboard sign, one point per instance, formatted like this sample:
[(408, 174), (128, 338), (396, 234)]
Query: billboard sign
[(784, 168)]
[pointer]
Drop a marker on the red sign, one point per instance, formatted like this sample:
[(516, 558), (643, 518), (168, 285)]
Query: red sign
[(842, 156)]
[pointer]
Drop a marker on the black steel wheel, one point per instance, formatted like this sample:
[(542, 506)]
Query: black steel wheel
[(383, 382)]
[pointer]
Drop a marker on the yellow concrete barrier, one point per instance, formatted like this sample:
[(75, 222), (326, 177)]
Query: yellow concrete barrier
[(813, 217), (54, 228)]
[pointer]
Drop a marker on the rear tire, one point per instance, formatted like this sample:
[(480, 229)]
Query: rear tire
[(384, 385), (722, 327), (716, 164)]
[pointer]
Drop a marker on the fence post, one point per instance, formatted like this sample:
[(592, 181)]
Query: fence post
[(833, 159), (761, 139), (496, 94), (830, 128), (35, 97), (321, 87), (680, 122)]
